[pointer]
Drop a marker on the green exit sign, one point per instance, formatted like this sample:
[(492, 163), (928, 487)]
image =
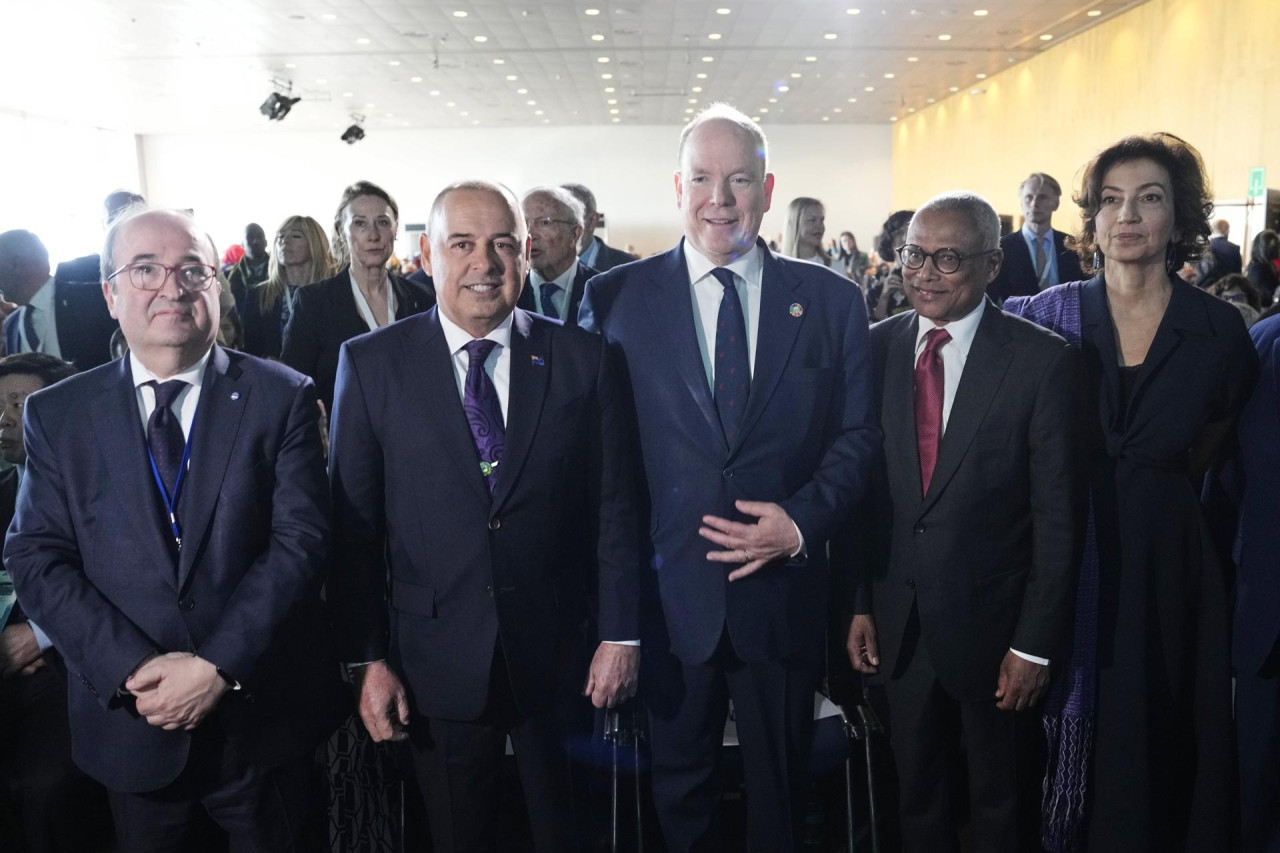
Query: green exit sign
[(1257, 182)]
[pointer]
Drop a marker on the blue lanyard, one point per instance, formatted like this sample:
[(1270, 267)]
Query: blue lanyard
[(171, 503)]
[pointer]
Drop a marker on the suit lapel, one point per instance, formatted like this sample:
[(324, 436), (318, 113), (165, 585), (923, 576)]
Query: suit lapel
[(984, 371), (1183, 318), (118, 427), (898, 406), (1098, 342), (436, 400), (775, 335), (526, 300), (530, 374), (671, 303), (580, 279), (223, 399)]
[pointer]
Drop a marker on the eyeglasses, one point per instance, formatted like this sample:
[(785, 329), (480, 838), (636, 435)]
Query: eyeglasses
[(191, 277), (945, 261), (544, 222)]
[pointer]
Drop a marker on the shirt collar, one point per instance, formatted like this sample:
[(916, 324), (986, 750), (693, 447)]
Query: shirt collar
[(1031, 236), (42, 300), (961, 331), (592, 252), (193, 375), (748, 267), (564, 281), (457, 337)]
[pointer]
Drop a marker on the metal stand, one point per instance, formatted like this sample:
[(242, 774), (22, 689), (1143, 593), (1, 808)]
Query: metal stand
[(629, 733), (867, 725)]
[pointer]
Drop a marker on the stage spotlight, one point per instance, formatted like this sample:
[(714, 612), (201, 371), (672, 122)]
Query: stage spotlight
[(353, 134), (277, 106)]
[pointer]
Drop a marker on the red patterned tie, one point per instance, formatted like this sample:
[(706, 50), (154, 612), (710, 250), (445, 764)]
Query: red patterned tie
[(929, 394)]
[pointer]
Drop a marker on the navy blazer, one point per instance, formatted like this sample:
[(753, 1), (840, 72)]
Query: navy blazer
[(93, 559), (580, 279), (325, 316), (80, 312), (807, 442), (416, 528), (608, 257), (1257, 606), (1017, 275)]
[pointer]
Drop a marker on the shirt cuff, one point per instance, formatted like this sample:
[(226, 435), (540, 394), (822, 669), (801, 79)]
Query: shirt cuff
[(798, 552), (622, 642), (42, 639), (1032, 658)]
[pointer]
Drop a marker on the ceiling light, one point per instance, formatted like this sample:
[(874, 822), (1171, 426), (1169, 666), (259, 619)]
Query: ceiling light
[(522, 91), (826, 118), (955, 88), (369, 106), (722, 11), (612, 101), (1093, 13), (756, 119), (511, 78), (693, 100), (975, 91), (391, 115), (837, 110), (701, 75), (435, 93), (696, 89), (931, 101), (688, 112), (362, 41), (830, 36), (499, 62), (481, 39), (773, 100), (459, 14), (811, 59), (464, 113), (795, 75), (911, 109), (981, 76), (531, 103), (763, 110), (415, 79), (888, 75), (592, 12), (784, 88), (348, 94), (602, 59), (853, 11), (394, 62), (979, 13), (713, 36), (853, 100), (606, 76), (597, 37), (1046, 37), (869, 89), (450, 104), (328, 16), (708, 59), (614, 111), (290, 65), (352, 134), (610, 89), (321, 81), (944, 37), (616, 120), (913, 59), (538, 112), (893, 118)]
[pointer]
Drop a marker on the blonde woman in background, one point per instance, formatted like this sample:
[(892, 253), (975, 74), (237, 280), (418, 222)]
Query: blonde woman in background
[(806, 223), (299, 256)]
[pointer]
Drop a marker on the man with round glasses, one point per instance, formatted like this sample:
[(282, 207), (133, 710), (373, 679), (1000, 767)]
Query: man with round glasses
[(961, 615), (170, 536), (556, 277)]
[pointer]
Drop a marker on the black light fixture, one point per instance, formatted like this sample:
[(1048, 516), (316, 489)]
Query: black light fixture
[(278, 103), (355, 133)]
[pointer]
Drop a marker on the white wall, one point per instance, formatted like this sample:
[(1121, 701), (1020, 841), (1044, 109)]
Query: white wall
[(230, 179)]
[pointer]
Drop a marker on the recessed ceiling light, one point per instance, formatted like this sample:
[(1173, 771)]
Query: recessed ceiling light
[(955, 88), (773, 100), (531, 103), (975, 91), (602, 59), (1093, 13), (459, 14), (689, 111), (464, 113), (811, 59), (980, 13), (837, 110), (701, 75), (944, 37), (756, 119), (693, 100), (434, 93), (784, 88), (499, 62), (713, 36), (853, 11), (522, 91), (393, 63), (597, 37), (481, 39), (796, 75), (913, 59), (696, 89), (1046, 37), (911, 109), (290, 65), (415, 79), (616, 120), (348, 94), (369, 106), (869, 88), (826, 118), (614, 111), (853, 100), (538, 112), (513, 77), (931, 101), (362, 41), (708, 59), (893, 118), (981, 76), (830, 36), (610, 89), (328, 16), (763, 110), (391, 115), (612, 101), (606, 76), (722, 11), (592, 12), (450, 104), (888, 75)]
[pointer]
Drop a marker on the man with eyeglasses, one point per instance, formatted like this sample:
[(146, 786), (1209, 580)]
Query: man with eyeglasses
[(556, 277), (170, 537), (972, 598)]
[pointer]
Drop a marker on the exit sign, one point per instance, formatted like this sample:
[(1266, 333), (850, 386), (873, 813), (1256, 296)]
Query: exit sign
[(1258, 182)]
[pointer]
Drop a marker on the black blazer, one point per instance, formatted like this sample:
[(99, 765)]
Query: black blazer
[(1018, 272), (80, 310), (93, 561), (325, 316), (415, 526), (608, 257), (263, 331), (990, 555), (580, 279), (1226, 256)]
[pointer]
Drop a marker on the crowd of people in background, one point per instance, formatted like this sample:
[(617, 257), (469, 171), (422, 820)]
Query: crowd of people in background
[(1026, 482)]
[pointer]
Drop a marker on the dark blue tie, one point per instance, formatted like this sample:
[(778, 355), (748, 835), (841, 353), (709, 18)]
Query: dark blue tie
[(484, 411), (732, 359), (164, 432), (549, 289), (29, 326)]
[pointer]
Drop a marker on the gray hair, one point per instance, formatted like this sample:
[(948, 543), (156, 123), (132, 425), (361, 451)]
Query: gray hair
[(983, 217), (435, 218), (134, 211), (721, 111), (584, 195), (567, 201)]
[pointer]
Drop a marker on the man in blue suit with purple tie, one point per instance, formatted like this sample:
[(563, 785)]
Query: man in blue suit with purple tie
[(751, 382)]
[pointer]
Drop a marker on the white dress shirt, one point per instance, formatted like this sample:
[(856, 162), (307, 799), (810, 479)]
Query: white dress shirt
[(707, 293), (362, 304), (43, 318), (560, 299), (954, 354), (185, 402)]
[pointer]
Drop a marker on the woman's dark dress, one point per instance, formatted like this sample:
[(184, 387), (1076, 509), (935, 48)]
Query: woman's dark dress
[(1163, 770)]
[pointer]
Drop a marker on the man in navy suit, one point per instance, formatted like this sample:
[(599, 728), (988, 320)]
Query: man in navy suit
[(495, 477), (62, 314), (1226, 255), (751, 382), (170, 537), (595, 252), (1036, 256), (557, 279)]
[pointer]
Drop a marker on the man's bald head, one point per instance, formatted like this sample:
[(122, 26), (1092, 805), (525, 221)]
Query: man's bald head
[(24, 265)]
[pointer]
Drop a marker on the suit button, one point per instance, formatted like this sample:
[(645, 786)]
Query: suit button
[(187, 604), (727, 473), (489, 591), (911, 584), (495, 523), (919, 528)]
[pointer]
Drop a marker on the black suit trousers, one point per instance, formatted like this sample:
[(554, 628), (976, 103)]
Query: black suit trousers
[(928, 730), (688, 708)]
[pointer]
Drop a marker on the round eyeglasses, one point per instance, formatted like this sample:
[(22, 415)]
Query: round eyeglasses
[(945, 261), (192, 277)]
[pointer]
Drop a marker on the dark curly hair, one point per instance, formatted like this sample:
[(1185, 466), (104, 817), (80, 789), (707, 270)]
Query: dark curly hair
[(897, 221), (1192, 198)]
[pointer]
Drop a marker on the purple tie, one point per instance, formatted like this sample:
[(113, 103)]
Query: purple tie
[(164, 433), (484, 411), (732, 358)]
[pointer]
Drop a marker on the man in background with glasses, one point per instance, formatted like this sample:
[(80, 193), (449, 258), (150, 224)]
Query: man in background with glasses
[(556, 277), (170, 537), (981, 499)]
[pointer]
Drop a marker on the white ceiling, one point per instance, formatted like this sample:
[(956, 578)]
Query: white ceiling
[(157, 66)]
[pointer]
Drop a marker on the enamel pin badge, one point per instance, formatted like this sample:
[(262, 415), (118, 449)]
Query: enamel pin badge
[(797, 310), (537, 360)]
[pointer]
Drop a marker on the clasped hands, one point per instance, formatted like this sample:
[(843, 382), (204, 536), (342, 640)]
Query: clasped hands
[(772, 536), (176, 690)]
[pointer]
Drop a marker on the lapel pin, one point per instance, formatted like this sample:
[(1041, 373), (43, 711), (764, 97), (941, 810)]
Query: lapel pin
[(797, 310), (537, 360), (235, 395)]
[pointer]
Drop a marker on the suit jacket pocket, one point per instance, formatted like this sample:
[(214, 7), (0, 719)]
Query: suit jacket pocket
[(1001, 586), (413, 597)]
